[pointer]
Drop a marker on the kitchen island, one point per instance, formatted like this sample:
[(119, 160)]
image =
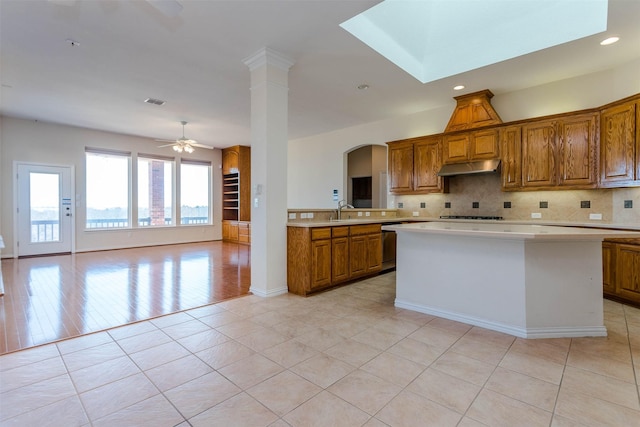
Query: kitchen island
[(525, 280)]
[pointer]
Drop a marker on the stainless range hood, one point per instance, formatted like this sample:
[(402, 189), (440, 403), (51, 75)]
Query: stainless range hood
[(470, 168)]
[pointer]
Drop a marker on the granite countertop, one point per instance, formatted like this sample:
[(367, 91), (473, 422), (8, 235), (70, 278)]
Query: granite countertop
[(335, 223), (502, 230)]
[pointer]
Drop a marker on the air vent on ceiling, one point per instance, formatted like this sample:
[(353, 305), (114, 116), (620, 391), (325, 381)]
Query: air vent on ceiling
[(155, 101)]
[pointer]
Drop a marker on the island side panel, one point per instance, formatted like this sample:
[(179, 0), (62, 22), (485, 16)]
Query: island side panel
[(564, 288), (480, 281)]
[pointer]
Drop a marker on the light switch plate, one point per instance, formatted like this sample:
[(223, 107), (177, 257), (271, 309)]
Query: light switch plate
[(367, 214), (416, 213), (536, 215), (303, 215), (597, 216), (310, 215), (383, 213), (292, 215), (359, 213)]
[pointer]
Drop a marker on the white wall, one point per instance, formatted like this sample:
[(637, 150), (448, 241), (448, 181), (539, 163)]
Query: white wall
[(316, 163), (48, 143)]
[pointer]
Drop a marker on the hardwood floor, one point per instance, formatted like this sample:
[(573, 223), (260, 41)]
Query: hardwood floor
[(56, 297)]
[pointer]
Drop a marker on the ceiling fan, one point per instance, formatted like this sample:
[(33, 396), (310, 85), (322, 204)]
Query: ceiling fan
[(183, 144)]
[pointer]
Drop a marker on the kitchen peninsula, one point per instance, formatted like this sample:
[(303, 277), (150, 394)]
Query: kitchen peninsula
[(530, 281)]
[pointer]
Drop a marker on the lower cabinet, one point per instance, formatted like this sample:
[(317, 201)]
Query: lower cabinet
[(236, 231), (321, 257), (621, 270)]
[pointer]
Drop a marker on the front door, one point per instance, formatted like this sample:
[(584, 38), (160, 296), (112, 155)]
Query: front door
[(45, 209)]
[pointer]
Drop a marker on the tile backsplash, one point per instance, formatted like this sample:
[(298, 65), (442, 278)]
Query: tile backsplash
[(483, 191)]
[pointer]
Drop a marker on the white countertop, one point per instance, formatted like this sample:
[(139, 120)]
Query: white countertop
[(390, 219), (502, 230)]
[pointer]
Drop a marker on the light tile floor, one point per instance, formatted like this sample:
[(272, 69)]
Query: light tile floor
[(346, 357)]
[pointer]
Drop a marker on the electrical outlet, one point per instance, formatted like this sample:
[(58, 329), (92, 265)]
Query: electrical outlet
[(597, 216), (303, 215), (359, 213), (292, 215), (416, 214), (536, 215), (367, 214), (383, 213), (310, 215)]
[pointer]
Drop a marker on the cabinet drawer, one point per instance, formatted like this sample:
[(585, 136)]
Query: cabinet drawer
[(340, 231), (357, 230), (320, 233)]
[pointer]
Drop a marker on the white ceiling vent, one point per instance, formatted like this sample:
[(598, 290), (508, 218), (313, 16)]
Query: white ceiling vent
[(155, 101)]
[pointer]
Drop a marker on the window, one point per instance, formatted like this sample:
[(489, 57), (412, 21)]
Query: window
[(155, 191), (107, 192), (195, 192)]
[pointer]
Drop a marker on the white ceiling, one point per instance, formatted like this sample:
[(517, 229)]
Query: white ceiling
[(129, 51)]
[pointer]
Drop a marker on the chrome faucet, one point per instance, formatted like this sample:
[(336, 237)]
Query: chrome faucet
[(342, 204)]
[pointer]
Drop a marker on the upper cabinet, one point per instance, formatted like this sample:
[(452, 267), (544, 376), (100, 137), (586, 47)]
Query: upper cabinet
[(470, 146), (413, 166), (551, 154), (620, 145), (579, 150), (511, 164)]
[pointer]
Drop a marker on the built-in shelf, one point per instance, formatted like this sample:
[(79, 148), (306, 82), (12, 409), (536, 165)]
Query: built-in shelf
[(230, 196)]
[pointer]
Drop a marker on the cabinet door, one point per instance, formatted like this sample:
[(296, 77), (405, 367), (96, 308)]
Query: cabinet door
[(628, 272), (400, 167), (233, 231), (374, 252), (577, 151), (538, 154), (320, 263), (511, 149), (340, 259), (484, 145), (608, 268), (618, 157), (230, 161), (456, 148), (427, 161), (357, 256), (226, 233)]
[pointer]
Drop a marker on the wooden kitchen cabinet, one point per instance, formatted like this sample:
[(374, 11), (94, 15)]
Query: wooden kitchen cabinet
[(339, 254), (627, 277), (620, 145), (236, 194), (427, 161), (621, 270), (560, 152), (413, 166), (318, 258), (539, 154), (577, 151), (511, 160), (471, 146)]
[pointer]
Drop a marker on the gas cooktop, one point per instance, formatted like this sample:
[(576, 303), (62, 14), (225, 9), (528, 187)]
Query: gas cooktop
[(494, 218)]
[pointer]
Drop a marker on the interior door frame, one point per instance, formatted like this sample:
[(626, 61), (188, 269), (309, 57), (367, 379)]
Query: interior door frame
[(14, 212)]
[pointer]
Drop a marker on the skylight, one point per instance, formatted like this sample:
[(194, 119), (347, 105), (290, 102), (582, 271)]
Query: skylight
[(433, 39)]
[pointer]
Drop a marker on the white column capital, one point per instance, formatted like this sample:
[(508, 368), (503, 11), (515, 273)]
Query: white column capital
[(268, 56)]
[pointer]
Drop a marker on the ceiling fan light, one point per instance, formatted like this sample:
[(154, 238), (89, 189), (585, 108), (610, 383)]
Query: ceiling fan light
[(177, 148), (188, 148)]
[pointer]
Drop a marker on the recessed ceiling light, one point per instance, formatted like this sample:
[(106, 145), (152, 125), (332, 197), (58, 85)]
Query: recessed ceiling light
[(363, 87), (72, 43), (155, 101), (610, 40), (459, 87)]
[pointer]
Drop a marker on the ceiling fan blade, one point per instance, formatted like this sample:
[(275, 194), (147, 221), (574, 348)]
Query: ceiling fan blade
[(166, 145), (195, 144), (170, 8)]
